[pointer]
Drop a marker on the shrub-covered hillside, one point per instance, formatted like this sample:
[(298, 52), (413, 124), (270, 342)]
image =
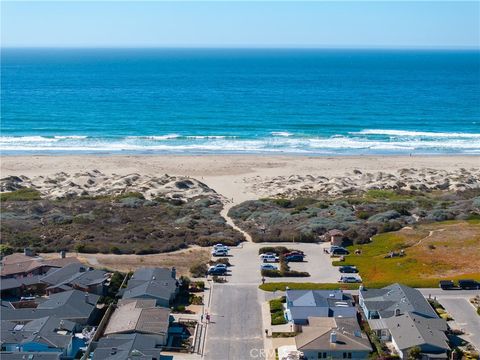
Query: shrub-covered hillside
[(359, 217), (112, 224)]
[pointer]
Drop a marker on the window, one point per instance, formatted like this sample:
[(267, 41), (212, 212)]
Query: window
[(322, 355), (349, 355)]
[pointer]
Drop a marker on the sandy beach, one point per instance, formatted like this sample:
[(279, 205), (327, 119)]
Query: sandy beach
[(243, 177)]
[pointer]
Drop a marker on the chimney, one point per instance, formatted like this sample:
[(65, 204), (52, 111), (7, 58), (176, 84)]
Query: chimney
[(62, 254), (333, 337), (174, 272), (397, 312), (27, 252), (87, 300)]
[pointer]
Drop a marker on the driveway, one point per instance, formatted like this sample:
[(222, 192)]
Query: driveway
[(235, 330)]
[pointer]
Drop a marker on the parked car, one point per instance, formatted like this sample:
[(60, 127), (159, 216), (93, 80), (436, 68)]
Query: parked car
[(268, 267), (270, 259), (216, 271), (294, 258), (468, 284), (349, 279), (220, 252), (447, 284), (267, 254), (294, 252), (347, 269), (220, 247), (339, 251), (219, 266)]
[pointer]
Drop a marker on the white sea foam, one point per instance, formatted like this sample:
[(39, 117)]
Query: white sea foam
[(218, 144), (416, 133), (281, 133), (70, 137), (154, 137)]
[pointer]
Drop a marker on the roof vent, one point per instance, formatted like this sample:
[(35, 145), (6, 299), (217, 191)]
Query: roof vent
[(333, 337)]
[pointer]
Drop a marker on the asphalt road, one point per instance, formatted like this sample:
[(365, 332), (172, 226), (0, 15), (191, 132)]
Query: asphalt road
[(465, 317), (235, 329)]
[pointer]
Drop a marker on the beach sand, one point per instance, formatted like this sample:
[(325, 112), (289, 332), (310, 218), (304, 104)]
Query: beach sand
[(244, 177)]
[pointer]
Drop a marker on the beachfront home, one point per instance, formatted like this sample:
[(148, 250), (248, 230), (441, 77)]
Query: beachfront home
[(73, 305), (153, 283), (333, 338), (127, 346), (76, 276), (48, 334), (142, 317), (302, 304), (401, 317)]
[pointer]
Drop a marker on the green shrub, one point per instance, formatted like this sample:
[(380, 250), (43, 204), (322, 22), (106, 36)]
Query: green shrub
[(198, 270), (24, 194), (132, 194), (5, 250)]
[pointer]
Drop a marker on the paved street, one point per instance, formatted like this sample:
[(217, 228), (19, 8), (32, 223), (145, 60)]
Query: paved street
[(458, 306), (235, 331)]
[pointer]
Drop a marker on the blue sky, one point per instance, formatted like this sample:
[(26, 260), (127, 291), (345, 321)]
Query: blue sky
[(240, 24)]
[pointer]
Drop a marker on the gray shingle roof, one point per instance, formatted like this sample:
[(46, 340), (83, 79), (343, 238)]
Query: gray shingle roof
[(65, 305), (397, 296), (74, 275), (410, 330), (156, 282), (51, 331), (126, 346)]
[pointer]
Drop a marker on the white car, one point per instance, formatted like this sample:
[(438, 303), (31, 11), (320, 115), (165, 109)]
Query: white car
[(220, 252), (219, 266), (270, 259), (220, 247)]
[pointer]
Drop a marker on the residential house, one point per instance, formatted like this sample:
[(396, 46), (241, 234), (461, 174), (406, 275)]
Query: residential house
[(402, 317), (73, 305), (333, 338), (76, 276), (26, 264), (142, 317), (14, 288), (47, 334), (127, 346), (302, 304), (153, 283)]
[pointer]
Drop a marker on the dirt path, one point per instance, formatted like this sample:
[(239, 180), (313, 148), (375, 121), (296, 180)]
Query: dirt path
[(224, 213), (430, 233)]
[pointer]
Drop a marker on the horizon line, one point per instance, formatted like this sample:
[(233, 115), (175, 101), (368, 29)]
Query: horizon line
[(245, 47)]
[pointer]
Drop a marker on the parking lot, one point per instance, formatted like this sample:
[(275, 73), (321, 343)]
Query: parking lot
[(246, 263)]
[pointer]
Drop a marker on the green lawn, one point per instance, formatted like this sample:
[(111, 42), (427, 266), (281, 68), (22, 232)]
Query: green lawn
[(445, 250), (276, 311)]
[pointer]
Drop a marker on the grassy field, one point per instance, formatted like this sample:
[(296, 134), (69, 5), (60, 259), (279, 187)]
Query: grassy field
[(445, 250), (181, 260)]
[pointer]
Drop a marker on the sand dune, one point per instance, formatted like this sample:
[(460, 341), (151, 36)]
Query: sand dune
[(238, 178)]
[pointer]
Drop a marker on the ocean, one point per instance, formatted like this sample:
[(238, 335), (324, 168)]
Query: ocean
[(270, 101)]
